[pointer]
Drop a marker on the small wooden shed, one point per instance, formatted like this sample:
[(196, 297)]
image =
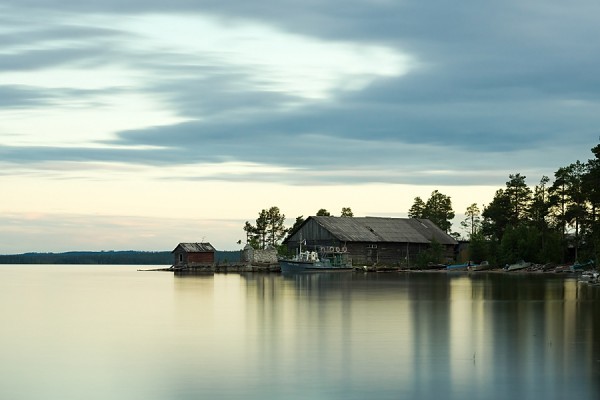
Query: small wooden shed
[(193, 254)]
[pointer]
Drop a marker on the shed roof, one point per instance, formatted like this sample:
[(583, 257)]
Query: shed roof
[(195, 247), (377, 229)]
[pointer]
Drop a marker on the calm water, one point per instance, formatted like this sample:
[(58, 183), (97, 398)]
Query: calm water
[(110, 332)]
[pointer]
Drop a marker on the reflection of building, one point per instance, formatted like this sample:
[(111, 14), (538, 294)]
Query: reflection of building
[(372, 240), (193, 254)]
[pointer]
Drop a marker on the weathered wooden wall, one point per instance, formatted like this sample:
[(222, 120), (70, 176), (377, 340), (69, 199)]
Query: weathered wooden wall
[(181, 258), (314, 234), (362, 253), (385, 253), (201, 258)]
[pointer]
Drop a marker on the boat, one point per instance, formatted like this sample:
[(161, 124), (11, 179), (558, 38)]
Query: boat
[(517, 266), (434, 266), (483, 266), (562, 268), (459, 267), (590, 277), (577, 267), (325, 258)]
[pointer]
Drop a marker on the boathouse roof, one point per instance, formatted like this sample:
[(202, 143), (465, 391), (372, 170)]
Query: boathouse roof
[(379, 229), (195, 247)]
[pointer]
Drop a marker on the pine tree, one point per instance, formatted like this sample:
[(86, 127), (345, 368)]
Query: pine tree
[(347, 212), (438, 210), (472, 221), (519, 195), (269, 228), (417, 210)]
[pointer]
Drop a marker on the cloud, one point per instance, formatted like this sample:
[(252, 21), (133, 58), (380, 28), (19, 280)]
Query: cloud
[(321, 92), (14, 96), (116, 112)]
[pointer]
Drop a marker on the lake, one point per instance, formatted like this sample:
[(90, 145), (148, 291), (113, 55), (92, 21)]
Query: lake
[(112, 332)]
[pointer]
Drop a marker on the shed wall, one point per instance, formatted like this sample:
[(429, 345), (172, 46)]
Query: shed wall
[(314, 235), (201, 258), (362, 253), (385, 253), (181, 258)]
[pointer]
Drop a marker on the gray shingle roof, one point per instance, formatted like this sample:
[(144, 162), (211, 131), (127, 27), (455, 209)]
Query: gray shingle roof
[(375, 229), (195, 247)]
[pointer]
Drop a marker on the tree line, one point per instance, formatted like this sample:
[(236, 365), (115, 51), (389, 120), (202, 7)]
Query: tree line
[(437, 209), (555, 221), (129, 257), (269, 229)]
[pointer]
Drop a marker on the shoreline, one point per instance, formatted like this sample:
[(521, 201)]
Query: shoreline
[(558, 270)]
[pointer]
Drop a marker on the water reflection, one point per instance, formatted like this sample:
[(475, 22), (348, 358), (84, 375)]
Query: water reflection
[(474, 335), (112, 332)]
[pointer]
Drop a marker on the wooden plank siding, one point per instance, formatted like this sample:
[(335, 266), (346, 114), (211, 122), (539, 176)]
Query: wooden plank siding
[(193, 254), (385, 253), (374, 250)]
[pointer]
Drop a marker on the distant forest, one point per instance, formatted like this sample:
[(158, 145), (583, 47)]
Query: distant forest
[(130, 257)]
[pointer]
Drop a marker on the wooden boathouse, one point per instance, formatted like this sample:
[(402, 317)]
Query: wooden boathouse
[(187, 255), (372, 240)]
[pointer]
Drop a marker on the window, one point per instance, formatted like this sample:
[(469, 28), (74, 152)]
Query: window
[(180, 257)]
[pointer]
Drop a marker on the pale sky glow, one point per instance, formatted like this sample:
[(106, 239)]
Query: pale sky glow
[(274, 60), (74, 78), (83, 123), (139, 125)]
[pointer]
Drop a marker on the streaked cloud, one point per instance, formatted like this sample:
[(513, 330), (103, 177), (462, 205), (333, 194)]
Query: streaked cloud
[(314, 94)]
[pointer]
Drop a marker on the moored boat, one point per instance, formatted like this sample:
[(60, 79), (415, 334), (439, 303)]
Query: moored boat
[(434, 266), (517, 266), (459, 267), (325, 258), (581, 266), (484, 265), (590, 277)]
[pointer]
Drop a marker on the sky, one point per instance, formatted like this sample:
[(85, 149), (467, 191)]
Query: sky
[(142, 124)]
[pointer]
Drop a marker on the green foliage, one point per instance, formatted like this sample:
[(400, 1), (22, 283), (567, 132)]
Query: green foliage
[(520, 243), (550, 250), (323, 213), (540, 206), (299, 221), (550, 222), (594, 245), (269, 229), (540, 225), (347, 212), (510, 207), (472, 221), (275, 226), (572, 201), (591, 184), (493, 251), (438, 209), (283, 251), (519, 197), (434, 254), (251, 235), (478, 248), (417, 210)]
